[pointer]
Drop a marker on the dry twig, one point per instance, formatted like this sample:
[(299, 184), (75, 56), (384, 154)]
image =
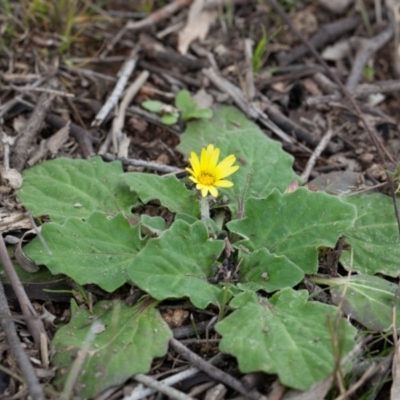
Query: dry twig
[(34, 388), (124, 75), (161, 387), (213, 371), (33, 322), (317, 152), (166, 169), (118, 122), (249, 109)]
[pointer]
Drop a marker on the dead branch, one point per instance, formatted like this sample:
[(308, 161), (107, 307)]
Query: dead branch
[(118, 122), (170, 392), (213, 371), (7, 323), (124, 74), (248, 52), (34, 324), (250, 110), (166, 169), (317, 152)]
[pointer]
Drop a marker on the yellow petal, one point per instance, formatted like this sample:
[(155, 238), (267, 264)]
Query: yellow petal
[(214, 158), (195, 163), (223, 183), (226, 162), (213, 191), (193, 179), (204, 160), (204, 191), (226, 172)]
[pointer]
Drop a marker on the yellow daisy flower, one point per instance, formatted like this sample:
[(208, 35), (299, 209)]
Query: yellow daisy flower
[(207, 173)]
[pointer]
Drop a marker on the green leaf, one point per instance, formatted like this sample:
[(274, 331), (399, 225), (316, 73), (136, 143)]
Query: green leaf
[(263, 164), (169, 119), (65, 188), (285, 335), (178, 264), (374, 239), (97, 251), (153, 105), (367, 299), (202, 113), (183, 101), (126, 339), (171, 192), (295, 225), (263, 270)]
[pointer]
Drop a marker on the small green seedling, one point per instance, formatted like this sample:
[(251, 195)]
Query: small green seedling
[(184, 106), (259, 52), (169, 114), (188, 107)]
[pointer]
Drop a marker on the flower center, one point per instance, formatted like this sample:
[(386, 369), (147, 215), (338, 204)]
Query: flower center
[(206, 179)]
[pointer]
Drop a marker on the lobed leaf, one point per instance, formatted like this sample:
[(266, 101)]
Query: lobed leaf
[(96, 251), (125, 341), (65, 188), (366, 299), (178, 264), (374, 238), (286, 335), (294, 225)]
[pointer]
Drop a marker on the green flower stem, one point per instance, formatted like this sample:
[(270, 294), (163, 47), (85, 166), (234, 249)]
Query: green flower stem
[(204, 208)]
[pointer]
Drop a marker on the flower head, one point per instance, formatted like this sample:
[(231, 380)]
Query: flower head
[(207, 173)]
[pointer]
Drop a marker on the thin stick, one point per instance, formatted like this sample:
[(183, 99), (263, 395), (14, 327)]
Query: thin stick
[(248, 53), (317, 152), (79, 362), (161, 387), (118, 122), (34, 388), (212, 371), (34, 324), (139, 393), (124, 75), (237, 96), (166, 169)]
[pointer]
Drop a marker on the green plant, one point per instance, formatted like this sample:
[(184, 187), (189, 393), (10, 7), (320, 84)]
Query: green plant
[(64, 20), (185, 107), (369, 73), (276, 236), (261, 48), (259, 52)]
